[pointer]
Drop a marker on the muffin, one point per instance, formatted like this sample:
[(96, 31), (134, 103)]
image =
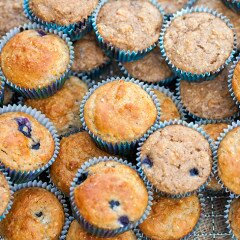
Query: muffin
[(236, 81), (35, 212), (75, 150), (172, 218), (11, 15), (8, 95), (208, 99), (76, 232), (5, 194), (25, 144), (234, 217), (152, 68), (172, 6), (63, 107), (34, 59), (176, 159)]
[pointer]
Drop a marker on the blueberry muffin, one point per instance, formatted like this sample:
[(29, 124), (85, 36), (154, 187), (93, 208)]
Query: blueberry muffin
[(172, 218), (5, 193), (34, 59), (234, 217), (176, 159), (172, 6), (236, 81), (25, 144), (35, 212), (75, 150), (63, 107)]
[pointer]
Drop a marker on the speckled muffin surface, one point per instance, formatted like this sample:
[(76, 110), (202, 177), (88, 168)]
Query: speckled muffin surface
[(228, 160), (136, 27), (236, 81), (176, 159), (76, 232), (172, 219), (35, 212), (209, 99), (119, 111), (63, 108), (34, 59), (63, 12), (234, 217), (5, 193), (25, 144), (152, 68), (198, 42), (88, 55), (112, 196), (172, 6), (74, 151)]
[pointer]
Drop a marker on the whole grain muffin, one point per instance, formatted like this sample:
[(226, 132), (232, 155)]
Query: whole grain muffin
[(119, 111), (88, 55), (34, 59), (236, 81), (25, 144), (76, 232), (111, 195), (63, 107), (35, 212), (5, 193), (172, 218), (176, 159), (208, 99), (234, 217), (198, 42), (171, 6), (228, 160), (75, 150), (63, 12), (132, 25)]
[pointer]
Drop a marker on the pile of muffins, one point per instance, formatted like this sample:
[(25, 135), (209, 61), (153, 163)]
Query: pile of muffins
[(129, 156)]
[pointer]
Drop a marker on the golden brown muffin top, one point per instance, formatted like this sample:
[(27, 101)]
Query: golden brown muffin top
[(74, 151), (172, 218), (63, 108), (119, 111), (5, 193), (229, 160), (25, 144), (198, 42), (172, 6), (151, 68), (35, 212), (234, 217), (129, 24), (112, 196), (63, 12), (176, 159), (236, 81), (34, 59), (76, 232), (88, 55)]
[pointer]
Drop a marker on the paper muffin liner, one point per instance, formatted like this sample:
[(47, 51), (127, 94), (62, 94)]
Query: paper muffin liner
[(115, 52), (140, 235), (18, 176), (233, 4), (185, 74), (2, 84), (100, 232), (195, 117), (11, 194), (75, 30), (163, 125), (47, 90), (121, 148)]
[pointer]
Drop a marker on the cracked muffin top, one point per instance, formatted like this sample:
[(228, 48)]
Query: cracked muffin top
[(234, 217), (35, 212), (198, 42), (172, 6), (111, 195), (5, 193), (25, 144), (176, 159), (129, 24)]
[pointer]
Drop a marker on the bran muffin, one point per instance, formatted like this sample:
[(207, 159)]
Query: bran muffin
[(75, 150), (35, 212), (208, 99), (176, 159), (34, 59), (172, 6), (136, 27), (172, 219), (63, 12), (76, 232), (234, 217), (236, 81), (63, 107), (110, 195), (5, 194), (25, 144), (152, 68)]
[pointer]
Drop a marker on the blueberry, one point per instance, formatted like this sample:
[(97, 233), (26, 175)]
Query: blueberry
[(41, 32), (21, 29), (147, 161), (36, 146), (39, 214), (114, 203), (194, 172), (24, 126), (124, 220), (82, 178)]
